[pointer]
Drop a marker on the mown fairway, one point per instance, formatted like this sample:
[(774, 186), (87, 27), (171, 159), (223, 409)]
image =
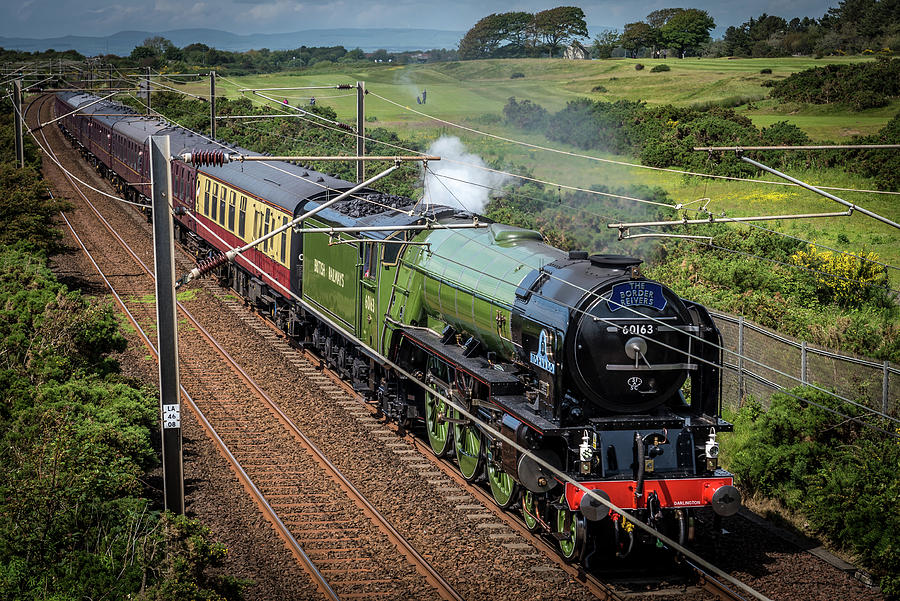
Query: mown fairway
[(473, 93)]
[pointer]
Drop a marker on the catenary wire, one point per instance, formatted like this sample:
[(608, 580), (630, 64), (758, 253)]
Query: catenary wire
[(611, 161), (573, 188), (609, 219), (719, 347)]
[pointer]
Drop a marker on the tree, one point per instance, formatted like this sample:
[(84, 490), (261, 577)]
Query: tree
[(687, 29), (516, 28), (638, 35), (660, 17), (144, 56), (605, 43), (484, 37), (737, 41), (158, 44), (560, 25)]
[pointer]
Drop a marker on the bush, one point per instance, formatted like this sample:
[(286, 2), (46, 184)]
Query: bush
[(858, 85), (525, 114), (591, 124), (660, 68), (775, 295), (76, 439), (883, 165), (517, 75), (845, 279), (599, 88), (638, 66), (841, 476), (765, 71)]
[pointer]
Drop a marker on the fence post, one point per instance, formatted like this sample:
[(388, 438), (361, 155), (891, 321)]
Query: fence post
[(884, 387), (803, 373), (740, 359)]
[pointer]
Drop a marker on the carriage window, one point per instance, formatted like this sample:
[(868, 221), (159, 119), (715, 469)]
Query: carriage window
[(231, 202), (222, 205), (206, 199), (257, 226), (177, 185), (267, 243), (283, 238), (214, 205), (242, 217)]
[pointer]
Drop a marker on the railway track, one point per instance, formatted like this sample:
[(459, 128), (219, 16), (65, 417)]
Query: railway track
[(266, 458), (468, 505), (340, 544)]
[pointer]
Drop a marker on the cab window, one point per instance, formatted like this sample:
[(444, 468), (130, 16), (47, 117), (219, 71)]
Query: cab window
[(392, 249), (370, 260)]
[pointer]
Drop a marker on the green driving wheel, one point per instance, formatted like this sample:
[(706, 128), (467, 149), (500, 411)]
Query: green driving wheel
[(503, 487), (529, 511), (572, 525), (468, 448), (438, 430)]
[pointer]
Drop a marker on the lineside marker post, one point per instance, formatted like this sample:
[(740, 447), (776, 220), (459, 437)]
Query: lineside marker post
[(167, 330), (17, 118)]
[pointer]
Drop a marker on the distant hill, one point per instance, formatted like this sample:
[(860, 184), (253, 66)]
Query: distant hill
[(122, 43)]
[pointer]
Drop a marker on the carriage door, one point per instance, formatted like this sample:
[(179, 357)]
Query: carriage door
[(368, 295)]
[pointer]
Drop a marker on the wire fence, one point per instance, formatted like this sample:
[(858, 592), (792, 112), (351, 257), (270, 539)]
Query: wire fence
[(874, 383)]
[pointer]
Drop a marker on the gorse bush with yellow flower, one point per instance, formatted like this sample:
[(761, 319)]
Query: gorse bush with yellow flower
[(831, 299), (844, 279)]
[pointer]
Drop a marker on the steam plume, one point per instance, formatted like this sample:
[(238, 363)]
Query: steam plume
[(456, 180)]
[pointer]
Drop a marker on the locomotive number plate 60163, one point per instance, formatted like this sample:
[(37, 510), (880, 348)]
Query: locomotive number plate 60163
[(640, 329)]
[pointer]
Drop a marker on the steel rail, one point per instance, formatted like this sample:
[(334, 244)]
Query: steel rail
[(444, 588), (596, 586), (257, 496), (248, 484)]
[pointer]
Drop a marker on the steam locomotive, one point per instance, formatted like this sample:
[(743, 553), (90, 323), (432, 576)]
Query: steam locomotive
[(598, 371)]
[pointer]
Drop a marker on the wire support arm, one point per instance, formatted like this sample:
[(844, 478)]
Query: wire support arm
[(343, 86), (712, 219), (819, 191), (810, 147)]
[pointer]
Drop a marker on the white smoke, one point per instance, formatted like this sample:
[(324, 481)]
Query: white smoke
[(458, 179)]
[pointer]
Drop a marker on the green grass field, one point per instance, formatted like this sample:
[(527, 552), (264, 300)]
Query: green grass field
[(473, 93), (466, 90)]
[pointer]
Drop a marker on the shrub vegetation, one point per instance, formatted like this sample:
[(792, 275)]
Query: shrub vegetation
[(830, 299), (661, 136), (842, 477), (857, 85), (76, 439)]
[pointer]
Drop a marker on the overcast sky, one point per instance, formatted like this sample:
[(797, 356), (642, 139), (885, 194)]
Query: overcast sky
[(52, 18)]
